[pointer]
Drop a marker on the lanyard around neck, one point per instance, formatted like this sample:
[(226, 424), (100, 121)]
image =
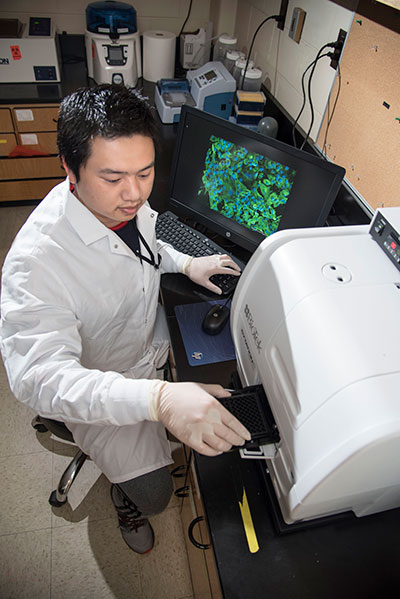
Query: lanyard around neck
[(150, 260), (130, 234)]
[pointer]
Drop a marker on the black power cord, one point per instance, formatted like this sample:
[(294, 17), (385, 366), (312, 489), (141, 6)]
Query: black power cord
[(304, 96), (311, 66), (330, 116), (277, 19), (310, 102), (186, 20), (180, 72), (330, 45)]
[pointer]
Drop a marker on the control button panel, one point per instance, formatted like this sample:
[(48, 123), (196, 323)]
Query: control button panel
[(387, 237), (115, 55), (45, 73), (207, 78)]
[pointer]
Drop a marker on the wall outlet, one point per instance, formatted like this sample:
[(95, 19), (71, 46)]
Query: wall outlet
[(339, 47), (296, 24)]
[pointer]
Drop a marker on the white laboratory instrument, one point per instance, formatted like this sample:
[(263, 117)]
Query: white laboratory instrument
[(194, 49), (33, 56), (112, 43), (210, 88), (316, 321)]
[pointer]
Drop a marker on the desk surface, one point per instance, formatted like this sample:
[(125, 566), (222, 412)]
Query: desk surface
[(349, 558)]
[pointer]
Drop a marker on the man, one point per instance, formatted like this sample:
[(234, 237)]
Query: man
[(80, 337)]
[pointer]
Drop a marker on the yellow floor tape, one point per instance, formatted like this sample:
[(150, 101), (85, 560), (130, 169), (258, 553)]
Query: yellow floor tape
[(248, 524)]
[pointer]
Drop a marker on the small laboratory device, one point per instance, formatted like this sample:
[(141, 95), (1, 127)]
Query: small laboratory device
[(112, 43), (194, 49), (210, 88), (32, 56)]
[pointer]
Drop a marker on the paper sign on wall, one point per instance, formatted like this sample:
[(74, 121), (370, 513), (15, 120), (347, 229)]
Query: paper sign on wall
[(29, 139), (24, 114)]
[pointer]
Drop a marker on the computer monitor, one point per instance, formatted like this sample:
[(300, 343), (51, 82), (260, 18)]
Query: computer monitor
[(243, 185)]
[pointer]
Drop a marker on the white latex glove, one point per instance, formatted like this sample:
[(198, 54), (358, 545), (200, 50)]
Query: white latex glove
[(199, 270), (193, 415)]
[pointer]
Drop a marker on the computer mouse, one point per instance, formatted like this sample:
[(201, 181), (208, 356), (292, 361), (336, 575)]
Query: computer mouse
[(215, 319)]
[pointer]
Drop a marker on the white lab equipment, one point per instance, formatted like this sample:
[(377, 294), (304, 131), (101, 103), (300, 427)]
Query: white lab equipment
[(112, 43), (194, 49), (231, 57), (224, 43), (33, 56), (252, 79), (210, 88), (316, 321), (240, 64)]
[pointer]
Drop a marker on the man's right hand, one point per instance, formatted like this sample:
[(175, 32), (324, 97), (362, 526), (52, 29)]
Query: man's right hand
[(193, 415)]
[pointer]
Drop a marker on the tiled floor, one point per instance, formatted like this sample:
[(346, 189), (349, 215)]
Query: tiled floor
[(73, 552)]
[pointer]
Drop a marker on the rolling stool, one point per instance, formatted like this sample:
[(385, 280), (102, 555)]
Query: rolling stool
[(59, 496)]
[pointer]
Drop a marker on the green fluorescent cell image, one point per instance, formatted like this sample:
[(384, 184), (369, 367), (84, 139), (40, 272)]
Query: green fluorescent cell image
[(245, 186)]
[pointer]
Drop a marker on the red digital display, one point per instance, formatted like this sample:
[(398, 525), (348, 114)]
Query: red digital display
[(393, 245)]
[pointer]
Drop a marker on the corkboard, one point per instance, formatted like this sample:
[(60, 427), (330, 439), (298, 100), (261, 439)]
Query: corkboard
[(364, 134)]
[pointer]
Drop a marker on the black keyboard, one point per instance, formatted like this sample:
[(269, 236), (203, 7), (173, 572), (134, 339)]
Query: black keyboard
[(189, 241)]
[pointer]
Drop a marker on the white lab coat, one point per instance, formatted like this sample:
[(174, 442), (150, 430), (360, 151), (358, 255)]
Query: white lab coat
[(77, 331)]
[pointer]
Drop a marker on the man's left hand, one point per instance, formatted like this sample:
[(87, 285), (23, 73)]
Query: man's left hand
[(199, 270)]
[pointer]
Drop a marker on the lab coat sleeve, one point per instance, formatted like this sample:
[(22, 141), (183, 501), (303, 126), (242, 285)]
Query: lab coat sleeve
[(171, 260), (41, 348)]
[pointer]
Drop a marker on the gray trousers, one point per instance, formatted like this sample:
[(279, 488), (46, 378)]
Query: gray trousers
[(150, 492)]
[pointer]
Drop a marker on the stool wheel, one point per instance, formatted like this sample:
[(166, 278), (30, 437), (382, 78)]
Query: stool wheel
[(54, 501), (38, 425), (40, 428)]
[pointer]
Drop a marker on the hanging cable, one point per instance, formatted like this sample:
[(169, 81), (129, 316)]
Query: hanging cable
[(312, 66), (330, 117), (304, 97), (330, 45), (186, 20), (327, 127), (277, 18)]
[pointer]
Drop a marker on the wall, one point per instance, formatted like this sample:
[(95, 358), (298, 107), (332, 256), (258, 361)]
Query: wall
[(364, 134), (223, 16), (69, 15), (283, 60)]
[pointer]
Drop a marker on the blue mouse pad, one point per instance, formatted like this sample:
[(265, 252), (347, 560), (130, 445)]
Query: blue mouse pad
[(200, 347)]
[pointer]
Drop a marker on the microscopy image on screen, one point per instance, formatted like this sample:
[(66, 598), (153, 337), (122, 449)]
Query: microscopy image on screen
[(245, 186)]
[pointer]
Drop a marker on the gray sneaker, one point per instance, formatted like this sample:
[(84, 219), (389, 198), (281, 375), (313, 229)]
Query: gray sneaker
[(136, 532)]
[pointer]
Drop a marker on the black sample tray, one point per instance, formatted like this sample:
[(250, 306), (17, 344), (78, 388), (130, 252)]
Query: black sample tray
[(250, 406)]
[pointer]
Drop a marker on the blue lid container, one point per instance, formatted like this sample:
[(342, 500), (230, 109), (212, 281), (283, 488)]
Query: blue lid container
[(111, 17)]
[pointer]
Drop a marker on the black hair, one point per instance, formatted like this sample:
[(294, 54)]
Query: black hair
[(108, 111)]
